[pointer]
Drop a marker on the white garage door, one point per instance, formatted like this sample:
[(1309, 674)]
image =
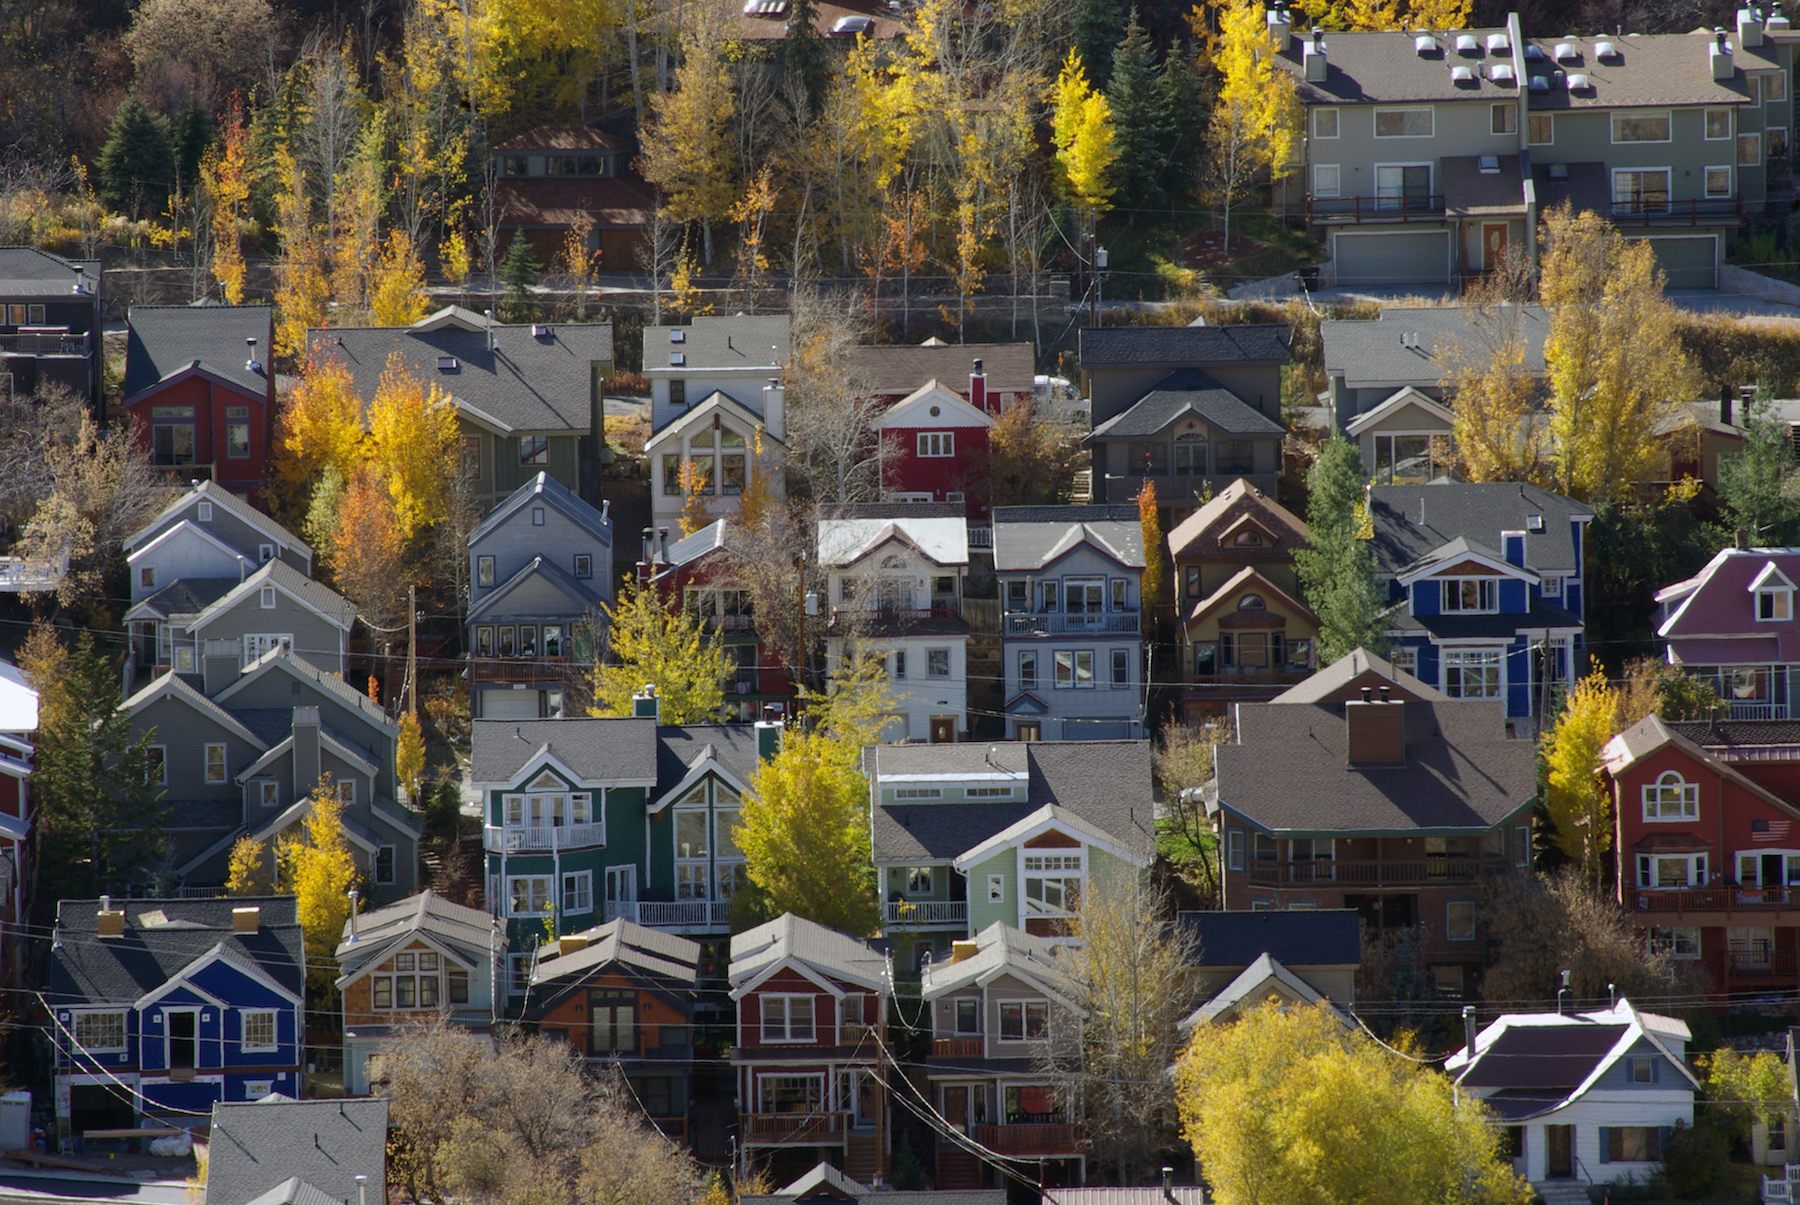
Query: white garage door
[(509, 704), (1689, 261), (1402, 258)]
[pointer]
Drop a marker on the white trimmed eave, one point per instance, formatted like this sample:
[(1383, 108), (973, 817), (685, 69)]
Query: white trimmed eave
[(707, 766), (800, 967)]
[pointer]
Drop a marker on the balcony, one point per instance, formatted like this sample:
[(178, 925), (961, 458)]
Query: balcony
[(27, 577), (1420, 872), (854, 1035), (938, 612), (671, 914), (797, 1129), (1035, 1138), (917, 913), (519, 669), (44, 343), (956, 1048), (1422, 208), (542, 838), (670, 1042), (1096, 623), (981, 537), (1720, 211), (1179, 489), (1753, 710), (1712, 899)]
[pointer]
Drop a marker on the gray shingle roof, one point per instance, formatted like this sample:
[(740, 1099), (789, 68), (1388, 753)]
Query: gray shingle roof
[(219, 496), (720, 534), (551, 492), (166, 339), (257, 1145), (526, 384), (28, 272), (1655, 69), (680, 747), (1289, 772), (295, 1191), (790, 936), (1340, 673), (585, 599), (328, 602), (1120, 346), (613, 749), (1187, 390), (1236, 939), (718, 343), (163, 936), (902, 368), (1369, 353), (279, 660), (1480, 627), (1476, 512), (188, 596), (1030, 537), (998, 947)]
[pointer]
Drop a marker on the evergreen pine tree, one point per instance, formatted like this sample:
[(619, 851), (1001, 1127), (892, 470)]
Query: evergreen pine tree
[(1181, 140), (193, 133), (1096, 33), (136, 166), (803, 58), (1337, 570), (1138, 117), (519, 270), (1757, 485)]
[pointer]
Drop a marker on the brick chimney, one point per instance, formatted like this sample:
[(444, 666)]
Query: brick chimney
[(1376, 731), (978, 387)]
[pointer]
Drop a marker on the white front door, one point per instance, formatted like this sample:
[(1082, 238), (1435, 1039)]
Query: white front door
[(621, 888)]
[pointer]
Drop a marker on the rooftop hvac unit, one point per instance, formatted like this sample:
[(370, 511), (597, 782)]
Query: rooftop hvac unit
[(1579, 82), (1606, 50), (1424, 44), (1566, 52)]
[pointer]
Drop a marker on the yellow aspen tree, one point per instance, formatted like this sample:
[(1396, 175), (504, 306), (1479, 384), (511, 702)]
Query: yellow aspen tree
[(1579, 805), (651, 643), (1438, 14), (756, 505), (251, 871), (1158, 582), (688, 149), (1082, 130), (318, 866), (409, 757), (696, 509), (412, 445), (1256, 121), (225, 175), (322, 423), (301, 288), (360, 199), (397, 296)]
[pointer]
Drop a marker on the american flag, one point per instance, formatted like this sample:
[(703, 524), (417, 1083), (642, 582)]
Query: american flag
[(1770, 830)]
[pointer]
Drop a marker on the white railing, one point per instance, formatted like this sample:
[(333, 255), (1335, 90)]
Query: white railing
[(667, 914), (981, 537), (28, 577), (1758, 711), (1781, 1188), (508, 839), (1034, 623), (927, 912)]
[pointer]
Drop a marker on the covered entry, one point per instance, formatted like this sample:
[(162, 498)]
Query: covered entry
[(1397, 258)]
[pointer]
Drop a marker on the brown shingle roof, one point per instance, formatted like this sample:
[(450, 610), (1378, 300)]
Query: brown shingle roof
[(1649, 69), (611, 201), (902, 368), (563, 138)]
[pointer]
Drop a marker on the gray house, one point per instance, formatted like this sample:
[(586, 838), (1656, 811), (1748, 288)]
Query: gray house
[(220, 535), (49, 323), (540, 569), (298, 1152), (1429, 156), (1071, 627), (527, 397)]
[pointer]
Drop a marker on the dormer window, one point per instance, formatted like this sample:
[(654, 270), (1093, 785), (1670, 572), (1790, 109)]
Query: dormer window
[(1472, 594), (1774, 606), (1671, 798)]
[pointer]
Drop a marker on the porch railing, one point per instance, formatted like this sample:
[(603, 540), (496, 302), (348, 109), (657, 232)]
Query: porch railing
[(926, 912), (508, 839), (1421, 871), (1712, 899), (801, 1129), (666, 914), (1030, 1138), (956, 1048), (1032, 623)]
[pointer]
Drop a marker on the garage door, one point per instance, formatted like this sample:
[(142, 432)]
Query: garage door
[(509, 704), (1690, 262), (1412, 257)]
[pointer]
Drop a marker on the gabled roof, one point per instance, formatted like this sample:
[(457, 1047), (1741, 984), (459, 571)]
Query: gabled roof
[(1033, 537), (717, 535), (1372, 353), (562, 138), (295, 1191), (164, 937), (1289, 772), (189, 528), (1460, 550), (615, 749), (701, 415), (1534, 1063), (321, 600), (241, 510), (28, 272), (617, 943), (1252, 985), (901, 367), (258, 1145), (527, 383), (165, 340), (184, 597), (1198, 346), (1251, 579), (586, 599), (1651, 734), (1411, 521), (231, 956), (171, 685), (1718, 605), (1406, 398), (426, 913), (1183, 393), (1331, 937), (1342, 673), (846, 541), (548, 491), (1046, 819), (1199, 534), (1001, 949), (286, 661), (685, 753), (789, 939), (712, 344), (933, 405)]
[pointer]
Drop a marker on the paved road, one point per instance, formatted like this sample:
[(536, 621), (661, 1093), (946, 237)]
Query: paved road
[(37, 1187)]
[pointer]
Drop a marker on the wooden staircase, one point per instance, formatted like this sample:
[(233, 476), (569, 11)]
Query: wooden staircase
[(957, 1169), (864, 1160)]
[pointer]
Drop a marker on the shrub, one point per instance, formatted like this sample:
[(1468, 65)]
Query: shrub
[(1695, 1160)]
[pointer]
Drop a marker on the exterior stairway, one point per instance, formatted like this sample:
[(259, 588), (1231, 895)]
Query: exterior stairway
[(957, 1169), (863, 1160), (1562, 1192)]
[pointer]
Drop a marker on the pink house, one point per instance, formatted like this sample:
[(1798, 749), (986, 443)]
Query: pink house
[(934, 447), (1733, 623)]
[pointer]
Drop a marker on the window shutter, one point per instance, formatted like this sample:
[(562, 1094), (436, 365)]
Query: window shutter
[(1605, 1144)]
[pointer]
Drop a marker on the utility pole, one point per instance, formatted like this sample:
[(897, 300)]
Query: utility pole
[(412, 651)]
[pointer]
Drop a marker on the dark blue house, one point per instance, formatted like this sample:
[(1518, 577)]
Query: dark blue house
[(1487, 586), (164, 1007)]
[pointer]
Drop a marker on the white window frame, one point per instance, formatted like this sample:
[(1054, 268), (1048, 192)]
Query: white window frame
[(147, 577), (375, 868), (1400, 198), (224, 775), (1753, 85), (1063, 867), (996, 889), (484, 571), (346, 791), (1782, 608), (1522, 845), (1430, 113), (1318, 123), (1671, 788), (265, 553), (1649, 869), (1755, 142), (246, 1016), (918, 792), (582, 883), (1025, 1007), (1487, 593), (1464, 659), (1706, 181), (204, 511), (1320, 188), (268, 792), (548, 896), (935, 445), (266, 598), (1706, 126), (913, 874), (160, 766), (81, 1015), (1775, 87), (1234, 849), (1623, 115), (788, 1003), (1668, 176), (1677, 941)]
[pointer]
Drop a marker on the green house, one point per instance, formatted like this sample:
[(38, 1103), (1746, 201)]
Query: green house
[(968, 835)]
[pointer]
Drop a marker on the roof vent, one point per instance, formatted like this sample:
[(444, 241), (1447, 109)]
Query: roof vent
[(1579, 82), (1539, 84), (1466, 44), (678, 335), (1424, 44), (1776, 22), (246, 920), (1558, 171), (1488, 165), (447, 364), (1606, 50), (849, 27), (1461, 74), (1534, 52), (677, 359), (1499, 43), (1566, 53), (109, 922), (539, 331), (1534, 522)]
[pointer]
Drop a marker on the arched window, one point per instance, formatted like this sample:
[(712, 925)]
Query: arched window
[(1252, 602), (1248, 539), (1671, 797)]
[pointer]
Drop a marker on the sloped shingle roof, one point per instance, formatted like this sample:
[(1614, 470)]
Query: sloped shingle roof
[(161, 938), (165, 339)]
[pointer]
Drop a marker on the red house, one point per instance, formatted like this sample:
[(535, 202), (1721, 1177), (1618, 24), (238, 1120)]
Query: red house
[(201, 392), (811, 1018), (1708, 852), (934, 447)]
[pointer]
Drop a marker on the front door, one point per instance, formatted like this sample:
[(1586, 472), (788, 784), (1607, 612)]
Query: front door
[(943, 729), (621, 889), (956, 1106), (1493, 245), (1560, 1144), (183, 1042)]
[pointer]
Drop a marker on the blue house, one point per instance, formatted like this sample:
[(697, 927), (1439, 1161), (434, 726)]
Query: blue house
[(1487, 587), (166, 1007)]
